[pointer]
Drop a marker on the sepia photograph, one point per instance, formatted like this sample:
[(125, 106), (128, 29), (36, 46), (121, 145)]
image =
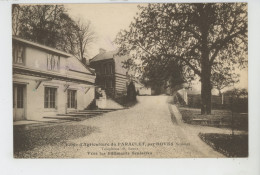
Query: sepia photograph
[(150, 80)]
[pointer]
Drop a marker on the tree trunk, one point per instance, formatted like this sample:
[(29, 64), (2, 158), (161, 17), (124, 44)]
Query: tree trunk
[(205, 95), (205, 85), (205, 65)]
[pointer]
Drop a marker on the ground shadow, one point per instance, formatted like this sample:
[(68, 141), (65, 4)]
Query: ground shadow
[(28, 139)]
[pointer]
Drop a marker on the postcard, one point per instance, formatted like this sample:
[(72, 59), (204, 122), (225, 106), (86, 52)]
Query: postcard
[(150, 80)]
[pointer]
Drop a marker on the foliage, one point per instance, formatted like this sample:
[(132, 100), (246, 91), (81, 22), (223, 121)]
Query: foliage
[(238, 100), (40, 23), (237, 93), (200, 39), (52, 26), (223, 80)]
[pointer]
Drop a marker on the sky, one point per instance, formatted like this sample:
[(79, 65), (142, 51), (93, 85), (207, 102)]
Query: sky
[(108, 19)]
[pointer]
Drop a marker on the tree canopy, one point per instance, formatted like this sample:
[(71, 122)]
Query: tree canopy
[(52, 26), (201, 39)]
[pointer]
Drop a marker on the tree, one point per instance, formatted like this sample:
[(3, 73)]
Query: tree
[(238, 99), (223, 80), (237, 93), (68, 40), (39, 23), (200, 38), (84, 36), (162, 77), (52, 26), (16, 19)]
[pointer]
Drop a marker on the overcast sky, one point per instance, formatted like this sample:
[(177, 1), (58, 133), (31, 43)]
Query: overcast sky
[(106, 19)]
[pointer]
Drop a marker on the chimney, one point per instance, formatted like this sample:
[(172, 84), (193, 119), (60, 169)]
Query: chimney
[(101, 50)]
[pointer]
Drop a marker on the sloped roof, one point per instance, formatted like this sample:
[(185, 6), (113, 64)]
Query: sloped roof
[(76, 64), (42, 46), (104, 56), (73, 62)]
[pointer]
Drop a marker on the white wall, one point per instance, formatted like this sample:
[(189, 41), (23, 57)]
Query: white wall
[(36, 58), (34, 105), (144, 91)]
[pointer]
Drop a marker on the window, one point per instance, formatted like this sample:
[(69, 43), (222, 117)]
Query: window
[(72, 99), (108, 68), (111, 69), (110, 83), (53, 62), (18, 54), (50, 97), (105, 68), (97, 70), (19, 97)]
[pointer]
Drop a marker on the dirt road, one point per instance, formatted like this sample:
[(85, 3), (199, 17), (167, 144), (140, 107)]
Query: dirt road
[(152, 128)]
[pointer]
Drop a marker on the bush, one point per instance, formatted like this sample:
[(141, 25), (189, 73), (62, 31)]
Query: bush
[(131, 93)]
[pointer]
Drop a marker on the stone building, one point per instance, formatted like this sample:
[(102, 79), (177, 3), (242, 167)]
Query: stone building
[(47, 81)]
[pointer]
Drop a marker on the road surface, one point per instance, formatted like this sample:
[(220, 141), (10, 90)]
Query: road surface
[(152, 128)]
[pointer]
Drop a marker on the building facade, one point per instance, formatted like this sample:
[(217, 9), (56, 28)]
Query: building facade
[(110, 74), (47, 81)]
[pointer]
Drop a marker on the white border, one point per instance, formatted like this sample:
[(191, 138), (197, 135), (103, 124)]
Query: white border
[(228, 166)]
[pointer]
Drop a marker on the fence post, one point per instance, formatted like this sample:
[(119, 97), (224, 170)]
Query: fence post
[(232, 116)]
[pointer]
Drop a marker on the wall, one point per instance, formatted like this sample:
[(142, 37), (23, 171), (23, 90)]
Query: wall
[(120, 85), (36, 58), (35, 98), (121, 80), (103, 77), (144, 91), (119, 65)]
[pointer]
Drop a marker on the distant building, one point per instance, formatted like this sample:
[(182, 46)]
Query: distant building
[(111, 76), (47, 81)]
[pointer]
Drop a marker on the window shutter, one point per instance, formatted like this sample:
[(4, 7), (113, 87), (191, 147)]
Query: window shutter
[(68, 98), (75, 99)]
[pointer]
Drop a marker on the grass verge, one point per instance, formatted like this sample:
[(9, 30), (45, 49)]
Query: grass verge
[(218, 118)]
